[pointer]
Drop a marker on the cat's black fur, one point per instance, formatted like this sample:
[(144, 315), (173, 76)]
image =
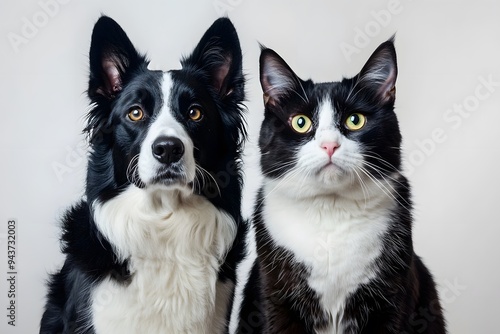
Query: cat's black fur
[(402, 297)]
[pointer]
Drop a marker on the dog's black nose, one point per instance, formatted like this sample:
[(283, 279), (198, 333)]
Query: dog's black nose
[(167, 150)]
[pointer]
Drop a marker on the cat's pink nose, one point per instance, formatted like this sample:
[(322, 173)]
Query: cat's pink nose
[(330, 147)]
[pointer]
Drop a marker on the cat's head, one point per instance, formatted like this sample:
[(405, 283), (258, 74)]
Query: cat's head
[(320, 138)]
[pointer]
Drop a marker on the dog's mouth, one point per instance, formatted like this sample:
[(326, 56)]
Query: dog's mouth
[(170, 176)]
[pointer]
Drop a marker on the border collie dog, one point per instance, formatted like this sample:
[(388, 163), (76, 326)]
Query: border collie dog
[(153, 246)]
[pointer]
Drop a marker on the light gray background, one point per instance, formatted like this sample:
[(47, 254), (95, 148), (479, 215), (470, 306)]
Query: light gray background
[(444, 49)]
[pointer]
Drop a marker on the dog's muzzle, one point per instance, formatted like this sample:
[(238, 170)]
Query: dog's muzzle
[(167, 150)]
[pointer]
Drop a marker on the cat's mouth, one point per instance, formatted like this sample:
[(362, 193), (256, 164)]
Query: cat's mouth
[(330, 169), (331, 164), (328, 165)]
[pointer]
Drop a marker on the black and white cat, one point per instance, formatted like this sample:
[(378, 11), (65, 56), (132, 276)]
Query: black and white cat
[(333, 219)]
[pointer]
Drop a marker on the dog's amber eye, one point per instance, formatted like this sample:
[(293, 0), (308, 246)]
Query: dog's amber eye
[(195, 114), (136, 114)]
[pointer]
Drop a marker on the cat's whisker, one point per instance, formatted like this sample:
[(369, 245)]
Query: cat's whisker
[(363, 78), (384, 188), (302, 97), (306, 98), (378, 183), (379, 158), (388, 167), (353, 88), (384, 174), (278, 166), (364, 188), (307, 176), (288, 176)]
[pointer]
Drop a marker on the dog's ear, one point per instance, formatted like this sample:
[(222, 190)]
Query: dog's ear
[(218, 54), (112, 58)]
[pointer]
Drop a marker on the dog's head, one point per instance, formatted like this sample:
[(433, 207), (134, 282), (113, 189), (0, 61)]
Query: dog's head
[(178, 129)]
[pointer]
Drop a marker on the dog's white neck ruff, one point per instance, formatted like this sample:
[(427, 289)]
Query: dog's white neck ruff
[(175, 243)]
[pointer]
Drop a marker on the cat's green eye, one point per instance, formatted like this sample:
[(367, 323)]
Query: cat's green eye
[(355, 121), (300, 123)]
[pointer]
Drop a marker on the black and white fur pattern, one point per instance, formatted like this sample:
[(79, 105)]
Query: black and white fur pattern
[(153, 246), (332, 222)]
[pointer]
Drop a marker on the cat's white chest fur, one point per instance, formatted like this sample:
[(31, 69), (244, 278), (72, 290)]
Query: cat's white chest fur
[(337, 239), (174, 258)]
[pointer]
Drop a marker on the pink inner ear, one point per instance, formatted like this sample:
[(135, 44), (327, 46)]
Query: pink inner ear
[(387, 90), (276, 80), (112, 78), (268, 91), (220, 75)]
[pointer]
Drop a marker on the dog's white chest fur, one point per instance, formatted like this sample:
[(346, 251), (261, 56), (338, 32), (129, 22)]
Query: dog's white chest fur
[(175, 247), (337, 241)]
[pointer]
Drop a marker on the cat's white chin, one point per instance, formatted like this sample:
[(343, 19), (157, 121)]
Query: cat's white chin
[(329, 180), (331, 175)]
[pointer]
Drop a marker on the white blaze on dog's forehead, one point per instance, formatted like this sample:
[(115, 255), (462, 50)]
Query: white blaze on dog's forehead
[(165, 123)]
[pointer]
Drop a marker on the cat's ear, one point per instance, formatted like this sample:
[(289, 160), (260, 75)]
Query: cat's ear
[(380, 72), (276, 78), (112, 58), (218, 54)]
